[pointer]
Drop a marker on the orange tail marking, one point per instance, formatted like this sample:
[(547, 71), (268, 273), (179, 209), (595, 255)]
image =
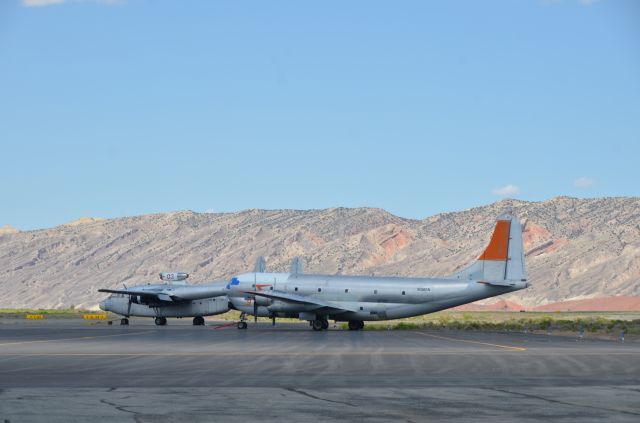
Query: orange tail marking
[(497, 248)]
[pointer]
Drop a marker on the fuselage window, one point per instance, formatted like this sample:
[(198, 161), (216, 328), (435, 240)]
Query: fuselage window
[(402, 292), (319, 289), (375, 291), (346, 290), (296, 288)]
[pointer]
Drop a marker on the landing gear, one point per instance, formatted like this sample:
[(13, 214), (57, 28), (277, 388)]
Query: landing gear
[(242, 324), (198, 321), (161, 321), (320, 324), (356, 324), (124, 321)]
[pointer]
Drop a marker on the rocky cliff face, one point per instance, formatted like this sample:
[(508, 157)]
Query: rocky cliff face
[(575, 249)]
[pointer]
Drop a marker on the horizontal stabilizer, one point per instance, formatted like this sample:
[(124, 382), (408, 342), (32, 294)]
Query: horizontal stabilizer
[(498, 283)]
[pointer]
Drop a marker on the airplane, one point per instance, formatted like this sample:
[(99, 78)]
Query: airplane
[(173, 298), (500, 269)]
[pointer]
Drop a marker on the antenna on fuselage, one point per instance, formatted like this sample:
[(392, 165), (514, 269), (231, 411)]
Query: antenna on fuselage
[(296, 266), (260, 266)]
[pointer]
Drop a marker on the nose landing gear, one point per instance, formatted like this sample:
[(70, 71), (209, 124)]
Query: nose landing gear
[(242, 324), (161, 321), (124, 321), (198, 321)]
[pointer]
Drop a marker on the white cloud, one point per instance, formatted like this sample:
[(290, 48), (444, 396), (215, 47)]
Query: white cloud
[(506, 190), (583, 182), (40, 3), (209, 211)]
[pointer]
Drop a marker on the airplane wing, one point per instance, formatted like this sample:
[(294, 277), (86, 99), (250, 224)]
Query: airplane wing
[(299, 299), (158, 296), (172, 293)]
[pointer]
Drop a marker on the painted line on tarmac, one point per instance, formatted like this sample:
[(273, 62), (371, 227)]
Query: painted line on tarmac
[(507, 347), (251, 354), (75, 339)]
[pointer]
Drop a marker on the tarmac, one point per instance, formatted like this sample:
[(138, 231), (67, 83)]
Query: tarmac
[(69, 370)]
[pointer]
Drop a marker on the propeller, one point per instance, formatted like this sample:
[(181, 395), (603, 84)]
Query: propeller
[(129, 303), (255, 310)]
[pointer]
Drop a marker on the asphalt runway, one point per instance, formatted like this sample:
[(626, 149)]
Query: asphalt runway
[(65, 370)]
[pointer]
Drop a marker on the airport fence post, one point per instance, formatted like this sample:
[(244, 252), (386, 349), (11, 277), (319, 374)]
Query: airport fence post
[(622, 335), (581, 335)]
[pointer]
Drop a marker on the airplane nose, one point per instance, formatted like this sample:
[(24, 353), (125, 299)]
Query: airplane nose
[(103, 305)]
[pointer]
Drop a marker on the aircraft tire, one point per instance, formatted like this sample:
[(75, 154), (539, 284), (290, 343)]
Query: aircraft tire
[(198, 321), (124, 322), (317, 324), (325, 324), (161, 321), (356, 324), (242, 325)]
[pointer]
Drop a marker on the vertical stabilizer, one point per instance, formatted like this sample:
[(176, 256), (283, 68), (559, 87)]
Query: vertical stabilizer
[(503, 259)]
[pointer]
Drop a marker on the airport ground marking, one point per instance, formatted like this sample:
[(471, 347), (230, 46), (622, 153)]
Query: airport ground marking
[(507, 347), (75, 339), (242, 354)]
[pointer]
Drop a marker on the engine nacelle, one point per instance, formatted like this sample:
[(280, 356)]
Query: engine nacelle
[(262, 301), (173, 276)]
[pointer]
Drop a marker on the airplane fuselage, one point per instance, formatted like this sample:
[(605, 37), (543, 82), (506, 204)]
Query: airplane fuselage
[(119, 304), (362, 298)]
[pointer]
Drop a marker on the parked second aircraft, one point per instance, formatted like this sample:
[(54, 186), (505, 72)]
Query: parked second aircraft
[(173, 298)]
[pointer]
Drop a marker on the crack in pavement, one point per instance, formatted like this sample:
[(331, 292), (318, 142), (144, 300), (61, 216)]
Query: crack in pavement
[(563, 402), (118, 407), (306, 394), (622, 388)]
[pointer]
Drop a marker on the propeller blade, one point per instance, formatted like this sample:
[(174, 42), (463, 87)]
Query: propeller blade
[(255, 310), (129, 307)]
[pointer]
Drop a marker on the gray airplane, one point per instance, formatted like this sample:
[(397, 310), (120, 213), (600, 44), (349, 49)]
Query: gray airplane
[(500, 269), (172, 298)]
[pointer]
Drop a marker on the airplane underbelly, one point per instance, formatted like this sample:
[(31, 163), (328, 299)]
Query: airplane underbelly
[(204, 307)]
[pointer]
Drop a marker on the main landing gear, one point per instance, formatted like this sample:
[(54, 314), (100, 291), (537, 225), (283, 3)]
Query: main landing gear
[(356, 324), (161, 321), (320, 324), (198, 321), (124, 321)]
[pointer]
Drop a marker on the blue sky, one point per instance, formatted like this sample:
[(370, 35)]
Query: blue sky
[(122, 108)]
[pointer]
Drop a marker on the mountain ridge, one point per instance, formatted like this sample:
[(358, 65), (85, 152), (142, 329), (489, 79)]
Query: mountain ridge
[(575, 248)]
